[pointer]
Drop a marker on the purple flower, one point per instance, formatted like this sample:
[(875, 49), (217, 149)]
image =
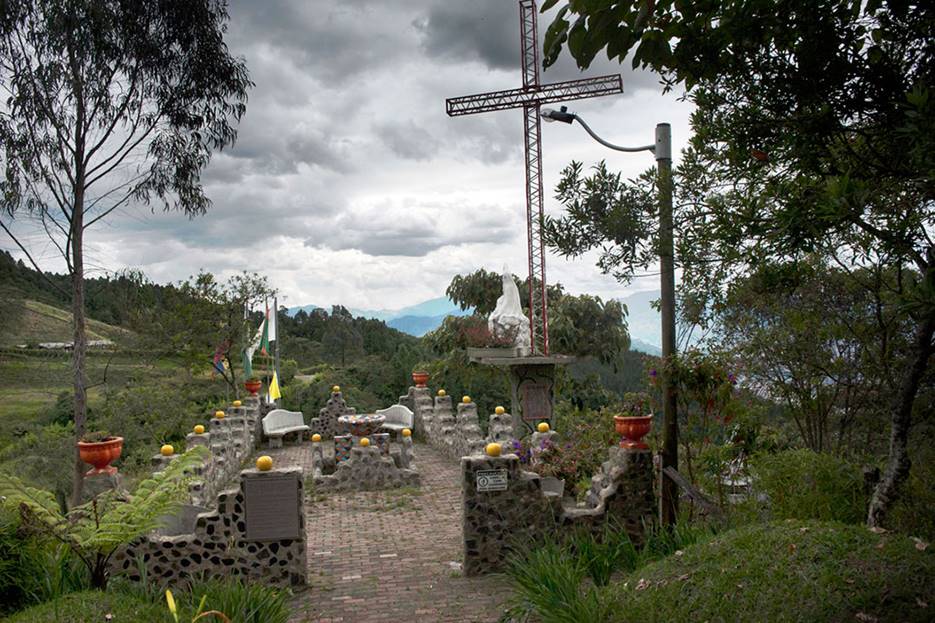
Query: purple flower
[(732, 378), (652, 373)]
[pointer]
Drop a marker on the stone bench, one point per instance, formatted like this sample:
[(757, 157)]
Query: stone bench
[(278, 423), (397, 417)]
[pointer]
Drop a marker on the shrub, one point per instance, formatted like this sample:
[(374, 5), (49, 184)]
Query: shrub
[(784, 571), (241, 601), (802, 484)]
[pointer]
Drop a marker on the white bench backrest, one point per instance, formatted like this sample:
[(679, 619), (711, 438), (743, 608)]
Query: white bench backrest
[(397, 414), (278, 419)]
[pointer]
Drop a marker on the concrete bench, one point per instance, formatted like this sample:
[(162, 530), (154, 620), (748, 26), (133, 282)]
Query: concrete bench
[(397, 417), (278, 423)]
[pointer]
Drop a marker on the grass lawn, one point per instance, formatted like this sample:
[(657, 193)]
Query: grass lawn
[(88, 606), (786, 571)]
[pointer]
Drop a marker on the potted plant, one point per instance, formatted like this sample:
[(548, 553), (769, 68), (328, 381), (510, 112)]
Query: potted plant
[(253, 385), (100, 449), (420, 378), (634, 422)]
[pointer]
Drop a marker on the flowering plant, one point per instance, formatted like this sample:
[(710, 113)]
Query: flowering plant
[(636, 404)]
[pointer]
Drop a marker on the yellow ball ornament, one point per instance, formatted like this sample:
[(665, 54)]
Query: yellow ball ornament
[(407, 432), (236, 403), (264, 463), (493, 449), (442, 393), (167, 450), (499, 410), (466, 399), (364, 442), (219, 415), (543, 427), (336, 389), (199, 429), (316, 437)]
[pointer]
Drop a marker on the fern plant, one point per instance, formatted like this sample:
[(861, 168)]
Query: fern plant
[(95, 530)]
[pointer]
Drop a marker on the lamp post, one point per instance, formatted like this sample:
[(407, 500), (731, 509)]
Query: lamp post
[(662, 150)]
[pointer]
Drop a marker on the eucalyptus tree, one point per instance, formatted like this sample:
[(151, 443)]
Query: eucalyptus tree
[(110, 104)]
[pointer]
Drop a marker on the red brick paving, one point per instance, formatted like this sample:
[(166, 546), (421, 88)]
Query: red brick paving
[(387, 556)]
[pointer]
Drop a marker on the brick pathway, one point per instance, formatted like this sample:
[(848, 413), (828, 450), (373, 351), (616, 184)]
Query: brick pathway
[(387, 556)]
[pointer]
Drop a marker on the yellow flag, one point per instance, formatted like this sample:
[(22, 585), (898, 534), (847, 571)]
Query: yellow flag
[(274, 392)]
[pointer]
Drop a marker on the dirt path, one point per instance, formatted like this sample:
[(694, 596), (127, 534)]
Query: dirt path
[(392, 555)]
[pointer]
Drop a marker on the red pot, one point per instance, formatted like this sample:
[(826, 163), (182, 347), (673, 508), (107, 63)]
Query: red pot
[(420, 378), (253, 387), (632, 430), (101, 454)]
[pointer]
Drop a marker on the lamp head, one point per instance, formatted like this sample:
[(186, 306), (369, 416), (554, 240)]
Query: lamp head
[(561, 114)]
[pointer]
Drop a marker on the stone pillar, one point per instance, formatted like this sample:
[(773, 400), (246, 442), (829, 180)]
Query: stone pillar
[(630, 500), (500, 428), (533, 396), (381, 441), (96, 484), (405, 453), (471, 440), (422, 401), (504, 507)]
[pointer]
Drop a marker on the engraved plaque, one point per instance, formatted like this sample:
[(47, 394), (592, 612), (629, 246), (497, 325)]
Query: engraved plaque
[(537, 402), (271, 508), (491, 480)]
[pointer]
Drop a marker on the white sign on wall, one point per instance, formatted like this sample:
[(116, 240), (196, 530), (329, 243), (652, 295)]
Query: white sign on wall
[(491, 480)]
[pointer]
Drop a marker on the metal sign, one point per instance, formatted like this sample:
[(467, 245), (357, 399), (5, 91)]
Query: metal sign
[(491, 480), (537, 402), (271, 508)]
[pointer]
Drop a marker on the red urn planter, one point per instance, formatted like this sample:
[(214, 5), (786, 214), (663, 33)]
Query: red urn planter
[(253, 387), (420, 378), (632, 430), (101, 454)]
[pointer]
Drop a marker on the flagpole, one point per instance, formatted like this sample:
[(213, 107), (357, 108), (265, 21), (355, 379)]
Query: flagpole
[(276, 337)]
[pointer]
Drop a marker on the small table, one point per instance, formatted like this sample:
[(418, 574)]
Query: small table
[(362, 425)]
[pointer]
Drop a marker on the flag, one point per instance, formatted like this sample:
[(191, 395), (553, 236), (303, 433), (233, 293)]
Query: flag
[(219, 351), (274, 392), (257, 343), (273, 329)]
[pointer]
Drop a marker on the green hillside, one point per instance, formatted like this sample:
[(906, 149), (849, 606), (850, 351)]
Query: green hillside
[(31, 322)]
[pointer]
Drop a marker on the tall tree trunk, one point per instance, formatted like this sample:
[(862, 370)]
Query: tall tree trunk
[(897, 467), (79, 353)]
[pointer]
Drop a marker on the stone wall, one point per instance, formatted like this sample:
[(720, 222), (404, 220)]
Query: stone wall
[(326, 424), (272, 549), (454, 430), (517, 513), (366, 469)]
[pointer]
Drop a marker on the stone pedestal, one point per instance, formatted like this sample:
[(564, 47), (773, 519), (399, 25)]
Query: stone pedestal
[(98, 484), (532, 383)]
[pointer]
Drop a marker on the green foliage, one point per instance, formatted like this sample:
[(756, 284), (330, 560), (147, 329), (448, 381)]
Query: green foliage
[(93, 531), (31, 569), (92, 605), (241, 601), (784, 571), (548, 580), (802, 484), (43, 458)]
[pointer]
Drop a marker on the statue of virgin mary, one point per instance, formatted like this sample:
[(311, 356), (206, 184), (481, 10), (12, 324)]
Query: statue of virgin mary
[(508, 319)]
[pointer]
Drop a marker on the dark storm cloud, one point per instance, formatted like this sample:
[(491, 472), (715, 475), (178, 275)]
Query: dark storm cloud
[(414, 230), (407, 140), (488, 31)]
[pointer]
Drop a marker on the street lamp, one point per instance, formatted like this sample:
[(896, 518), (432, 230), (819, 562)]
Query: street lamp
[(662, 150)]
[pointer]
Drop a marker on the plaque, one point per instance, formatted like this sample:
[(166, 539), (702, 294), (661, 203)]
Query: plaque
[(491, 480), (271, 508), (537, 402)]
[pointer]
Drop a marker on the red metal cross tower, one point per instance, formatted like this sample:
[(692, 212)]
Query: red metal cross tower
[(530, 98)]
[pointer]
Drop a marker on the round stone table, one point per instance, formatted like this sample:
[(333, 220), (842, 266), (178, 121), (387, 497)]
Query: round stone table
[(363, 424)]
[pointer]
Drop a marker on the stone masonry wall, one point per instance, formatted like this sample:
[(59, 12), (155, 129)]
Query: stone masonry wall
[(498, 522), (219, 545)]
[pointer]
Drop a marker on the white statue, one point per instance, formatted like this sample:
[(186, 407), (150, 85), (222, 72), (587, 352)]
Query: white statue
[(508, 319)]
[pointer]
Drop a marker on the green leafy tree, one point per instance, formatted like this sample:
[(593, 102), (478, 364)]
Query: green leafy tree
[(578, 325), (814, 132), (95, 530), (110, 104)]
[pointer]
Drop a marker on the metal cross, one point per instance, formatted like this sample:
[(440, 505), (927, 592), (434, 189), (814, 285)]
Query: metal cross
[(530, 97)]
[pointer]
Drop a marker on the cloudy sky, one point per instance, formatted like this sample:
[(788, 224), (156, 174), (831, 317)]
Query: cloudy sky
[(349, 183)]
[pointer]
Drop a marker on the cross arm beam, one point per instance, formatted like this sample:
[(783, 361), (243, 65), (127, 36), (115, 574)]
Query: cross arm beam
[(545, 94)]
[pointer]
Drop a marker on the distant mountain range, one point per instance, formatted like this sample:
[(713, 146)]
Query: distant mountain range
[(419, 319)]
